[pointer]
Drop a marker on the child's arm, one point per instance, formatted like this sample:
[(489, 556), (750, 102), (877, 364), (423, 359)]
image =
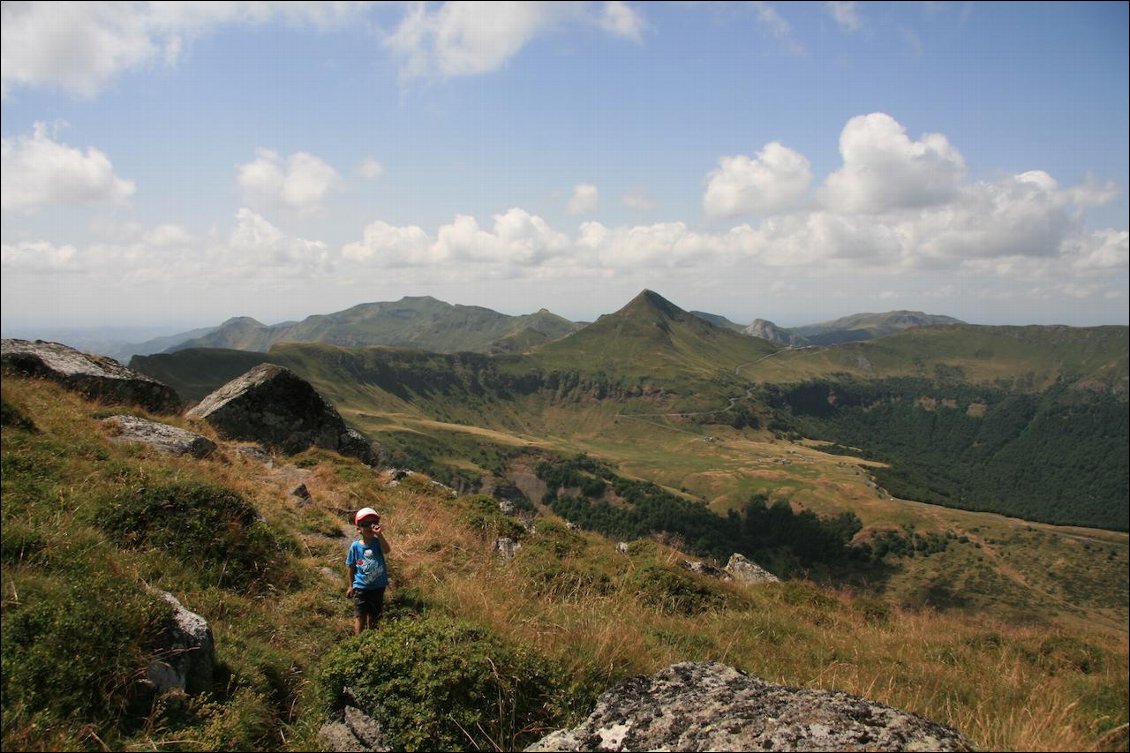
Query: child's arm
[(352, 573), (385, 546)]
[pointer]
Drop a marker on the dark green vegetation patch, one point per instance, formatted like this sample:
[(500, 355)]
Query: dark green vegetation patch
[(73, 650), (214, 528), (440, 684), (1059, 457)]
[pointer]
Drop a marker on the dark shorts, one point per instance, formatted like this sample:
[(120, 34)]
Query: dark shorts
[(369, 601)]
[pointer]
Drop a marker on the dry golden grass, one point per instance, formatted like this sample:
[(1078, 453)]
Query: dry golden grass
[(1048, 686)]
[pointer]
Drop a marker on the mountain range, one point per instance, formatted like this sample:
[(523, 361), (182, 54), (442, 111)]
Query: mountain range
[(953, 411), (922, 495), (430, 324)]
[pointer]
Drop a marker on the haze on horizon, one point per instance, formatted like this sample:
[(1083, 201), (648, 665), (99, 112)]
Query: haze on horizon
[(178, 164)]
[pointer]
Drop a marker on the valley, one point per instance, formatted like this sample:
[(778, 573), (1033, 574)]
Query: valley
[(718, 418)]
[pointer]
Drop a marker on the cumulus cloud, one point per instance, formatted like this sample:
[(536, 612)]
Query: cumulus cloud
[(37, 256), (846, 15), (38, 172), (388, 244), (79, 47), (1102, 250), (466, 39), (585, 199), (255, 246), (301, 181), (776, 180), (254, 253), (517, 239), (884, 169), (622, 20), (462, 39), (369, 168)]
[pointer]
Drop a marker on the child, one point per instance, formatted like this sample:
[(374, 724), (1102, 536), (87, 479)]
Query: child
[(368, 575)]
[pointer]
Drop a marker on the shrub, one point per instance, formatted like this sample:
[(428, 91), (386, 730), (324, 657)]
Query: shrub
[(439, 684), (211, 528), (673, 591), (77, 651), (485, 517), (555, 539)]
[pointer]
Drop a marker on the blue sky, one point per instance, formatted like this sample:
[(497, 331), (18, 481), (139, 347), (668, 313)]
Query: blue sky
[(178, 163)]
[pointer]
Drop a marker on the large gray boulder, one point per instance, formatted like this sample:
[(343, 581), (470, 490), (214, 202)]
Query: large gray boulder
[(169, 439), (274, 406), (698, 706), (97, 377), (744, 570)]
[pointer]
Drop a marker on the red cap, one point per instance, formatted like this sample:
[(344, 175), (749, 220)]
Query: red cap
[(366, 512)]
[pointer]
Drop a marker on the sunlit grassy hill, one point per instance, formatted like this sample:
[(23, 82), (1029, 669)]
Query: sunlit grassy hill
[(413, 321), (86, 523), (653, 338), (1020, 358)]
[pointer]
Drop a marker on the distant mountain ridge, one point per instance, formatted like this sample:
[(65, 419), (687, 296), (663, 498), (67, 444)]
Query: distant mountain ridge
[(851, 328), (420, 322)]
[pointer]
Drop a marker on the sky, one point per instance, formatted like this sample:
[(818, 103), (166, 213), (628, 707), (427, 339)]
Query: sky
[(176, 164)]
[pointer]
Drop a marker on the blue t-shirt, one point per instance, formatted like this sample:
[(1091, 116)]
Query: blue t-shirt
[(370, 561)]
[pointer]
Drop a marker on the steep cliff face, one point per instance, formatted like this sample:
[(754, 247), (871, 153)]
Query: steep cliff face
[(709, 706)]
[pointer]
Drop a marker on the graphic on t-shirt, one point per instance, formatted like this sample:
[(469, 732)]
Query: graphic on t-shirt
[(370, 567)]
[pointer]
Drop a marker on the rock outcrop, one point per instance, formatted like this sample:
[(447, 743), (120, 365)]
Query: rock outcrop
[(169, 439), (97, 377), (352, 730), (188, 654), (698, 706), (767, 330), (275, 407), (745, 571)]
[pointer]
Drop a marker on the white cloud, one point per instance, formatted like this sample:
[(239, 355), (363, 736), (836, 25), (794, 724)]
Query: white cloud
[(638, 200), (463, 38), (470, 38), (37, 256), (517, 240), (1104, 250), (301, 181), (776, 180), (884, 170), (39, 172), (369, 168), (846, 15), (585, 199), (1021, 215), (388, 244), (256, 247), (80, 47), (777, 27), (622, 20)]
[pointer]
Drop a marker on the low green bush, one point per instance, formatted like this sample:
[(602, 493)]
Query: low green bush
[(483, 515), (210, 528), (77, 650), (674, 591), (439, 684)]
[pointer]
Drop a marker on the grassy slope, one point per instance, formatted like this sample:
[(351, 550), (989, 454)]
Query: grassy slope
[(1027, 358), (1008, 686)]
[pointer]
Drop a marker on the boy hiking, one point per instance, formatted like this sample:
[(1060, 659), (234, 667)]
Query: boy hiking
[(368, 576)]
